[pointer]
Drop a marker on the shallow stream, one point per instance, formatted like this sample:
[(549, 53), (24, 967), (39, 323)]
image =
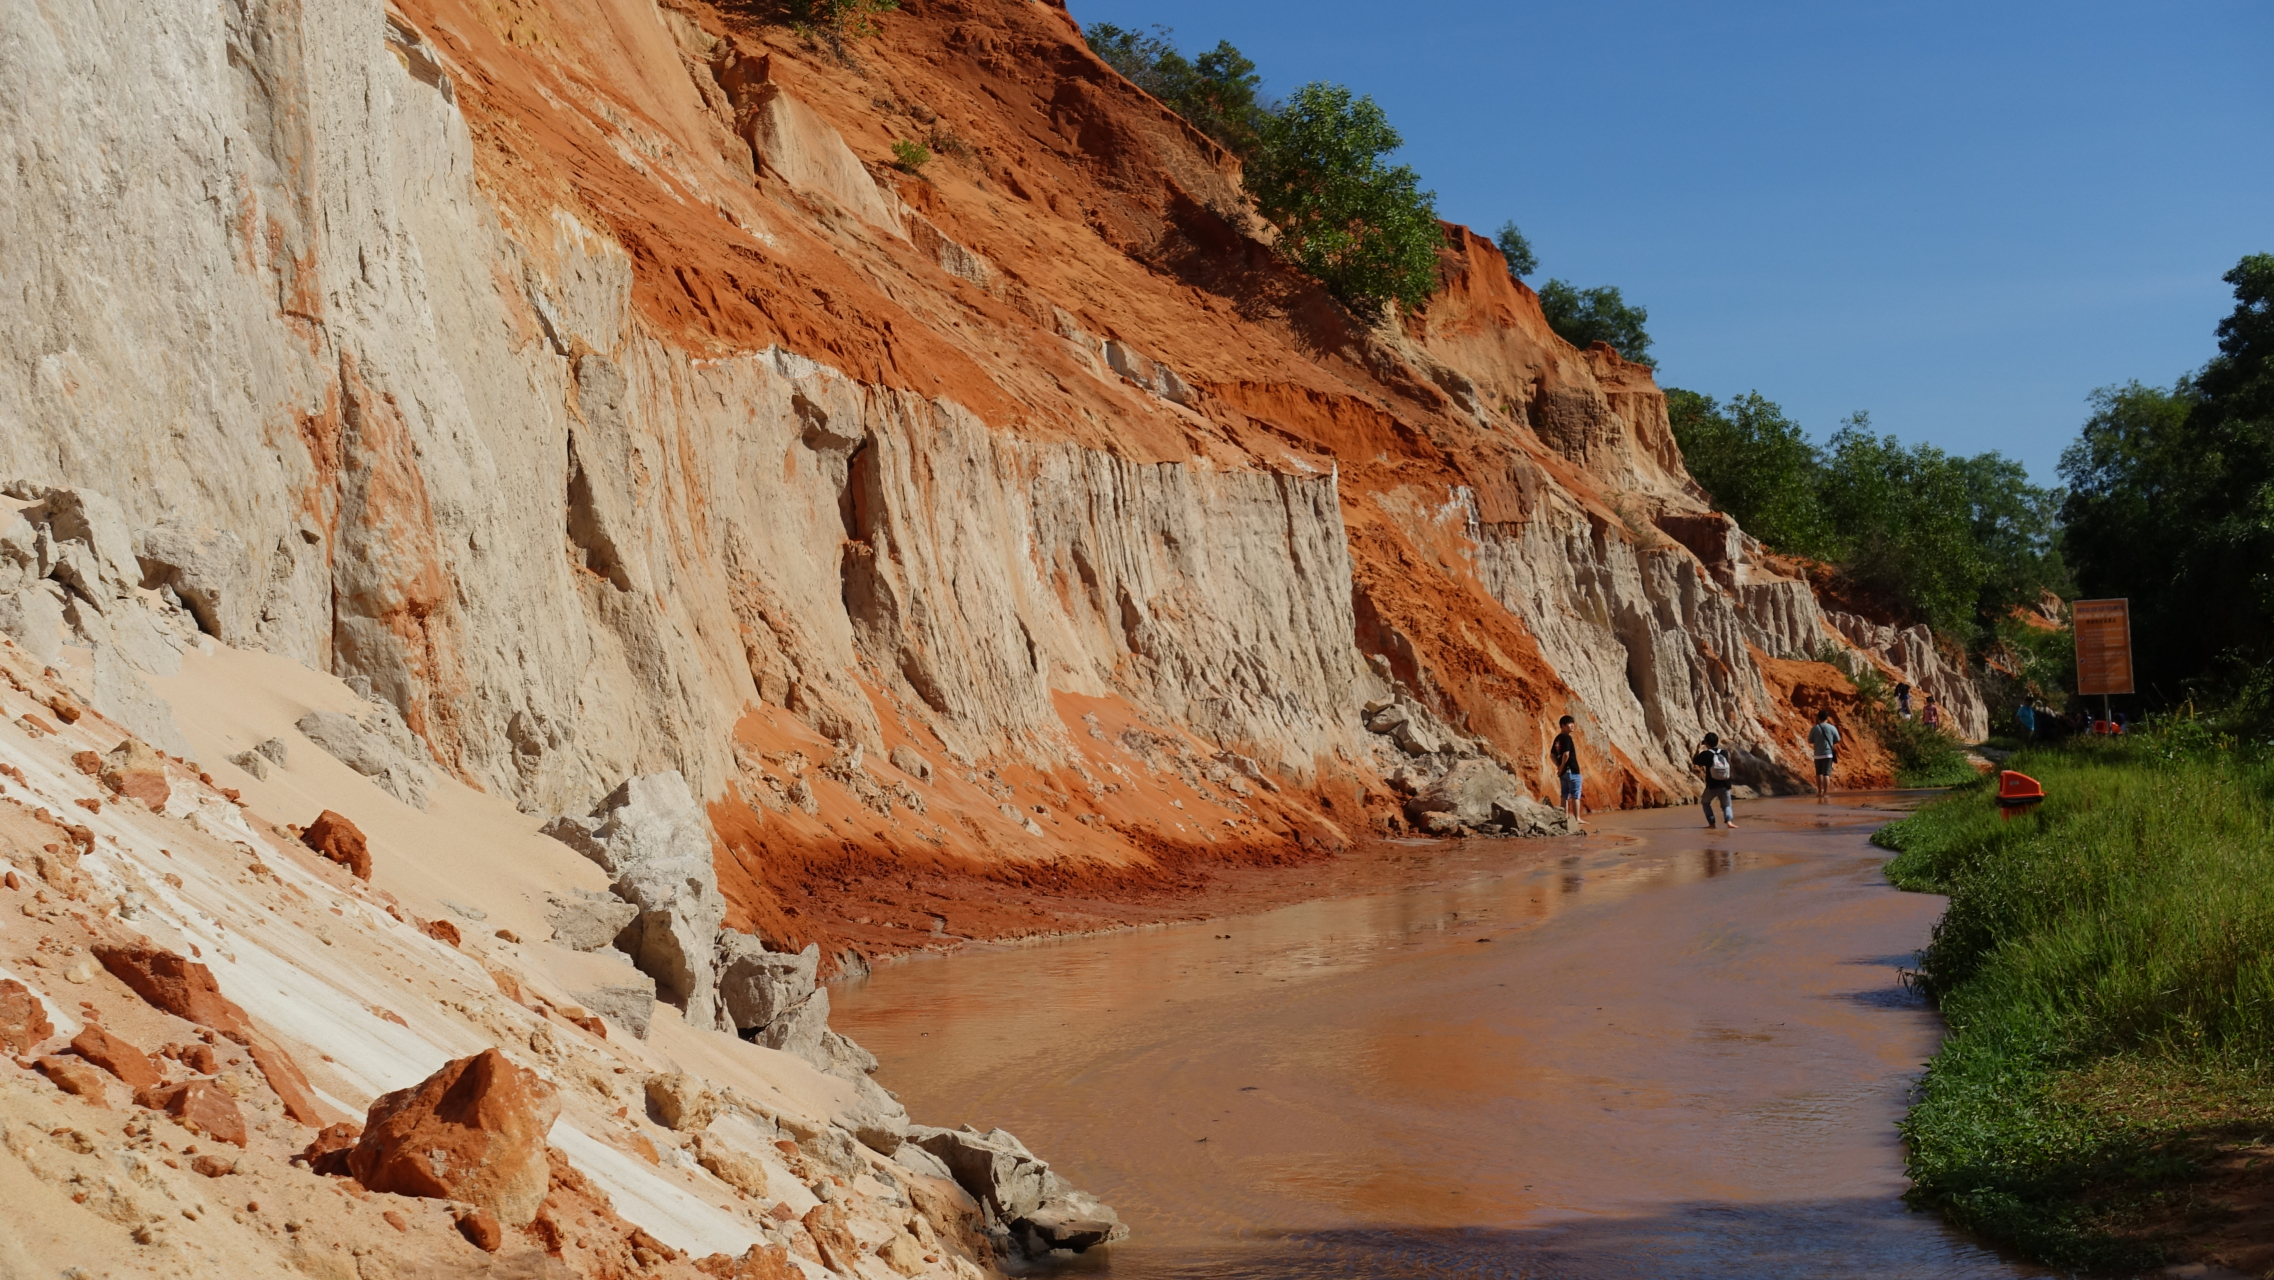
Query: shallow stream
[(1668, 1053)]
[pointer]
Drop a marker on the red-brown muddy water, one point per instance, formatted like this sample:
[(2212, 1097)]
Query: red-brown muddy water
[(1669, 1053)]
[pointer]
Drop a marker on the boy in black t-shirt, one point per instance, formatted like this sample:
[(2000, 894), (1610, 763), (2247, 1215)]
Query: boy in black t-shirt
[(1564, 754), (1713, 761)]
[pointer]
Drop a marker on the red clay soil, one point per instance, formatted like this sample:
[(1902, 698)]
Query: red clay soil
[(1132, 828)]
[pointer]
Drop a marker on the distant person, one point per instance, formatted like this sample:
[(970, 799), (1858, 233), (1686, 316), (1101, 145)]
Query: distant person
[(1824, 744), (2026, 716), (1932, 716), (1565, 755), (1903, 699), (1712, 762)]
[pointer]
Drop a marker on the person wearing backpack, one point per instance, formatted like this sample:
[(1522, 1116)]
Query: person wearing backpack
[(1824, 744), (1565, 756), (1712, 760)]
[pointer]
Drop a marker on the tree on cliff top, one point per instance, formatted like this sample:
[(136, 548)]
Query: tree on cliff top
[(1216, 92), (1518, 250), (1314, 163), (1583, 316), (1362, 227)]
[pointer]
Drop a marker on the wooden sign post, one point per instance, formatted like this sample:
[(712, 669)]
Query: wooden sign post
[(2104, 647)]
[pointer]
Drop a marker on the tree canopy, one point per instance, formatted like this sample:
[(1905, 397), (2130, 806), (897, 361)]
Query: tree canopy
[(1955, 542), (1518, 250), (2171, 504), (1217, 91), (1585, 316), (1317, 165), (1362, 226)]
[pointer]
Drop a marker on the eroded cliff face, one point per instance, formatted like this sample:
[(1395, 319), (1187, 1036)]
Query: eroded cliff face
[(581, 379)]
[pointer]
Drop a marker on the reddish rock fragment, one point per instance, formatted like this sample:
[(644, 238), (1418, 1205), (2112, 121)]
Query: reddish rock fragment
[(284, 1077), (840, 1248), (649, 1251), (473, 1131), (74, 1077), (65, 708), (137, 772), (761, 1262), (117, 1056), (200, 1106), (394, 1218), (327, 1155), (87, 762), (197, 1057), (338, 839), (481, 1231), (213, 1166), (442, 931), (23, 1018), (181, 987)]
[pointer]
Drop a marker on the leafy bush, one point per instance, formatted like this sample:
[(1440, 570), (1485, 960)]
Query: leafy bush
[(1924, 756), (2121, 932), (1514, 247), (911, 157), (1216, 92), (1584, 316), (1361, 226), (838, 20)]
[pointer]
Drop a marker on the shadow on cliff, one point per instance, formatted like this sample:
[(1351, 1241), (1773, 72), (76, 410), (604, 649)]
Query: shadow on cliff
[(1860, 1239)]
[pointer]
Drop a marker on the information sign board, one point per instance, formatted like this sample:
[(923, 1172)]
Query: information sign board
[(2104, 645)]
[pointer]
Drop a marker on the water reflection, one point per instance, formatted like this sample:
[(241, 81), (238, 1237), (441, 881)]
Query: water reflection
[(1630, 1061)]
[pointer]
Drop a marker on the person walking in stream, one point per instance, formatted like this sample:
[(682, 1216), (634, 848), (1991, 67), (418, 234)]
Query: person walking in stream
[(1824, 744), (1712, 760), (1564, 754)]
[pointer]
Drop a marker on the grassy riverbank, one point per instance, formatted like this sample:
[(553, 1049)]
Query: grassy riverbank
[(2105, 1099)]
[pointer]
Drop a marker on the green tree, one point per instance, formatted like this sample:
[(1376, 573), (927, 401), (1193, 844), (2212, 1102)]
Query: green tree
[(1218, 92), (1361, 226), (2171, 504), (1518, 250), (1958, 541), (1757, 465), (1584, 316)]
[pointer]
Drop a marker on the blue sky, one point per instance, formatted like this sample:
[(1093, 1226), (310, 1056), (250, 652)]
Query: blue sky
[(1961, 218)]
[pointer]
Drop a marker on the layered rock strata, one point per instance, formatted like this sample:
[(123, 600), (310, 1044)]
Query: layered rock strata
[(588, 388)]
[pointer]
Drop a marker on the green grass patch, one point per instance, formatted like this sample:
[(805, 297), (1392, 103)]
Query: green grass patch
[(2122, 932)]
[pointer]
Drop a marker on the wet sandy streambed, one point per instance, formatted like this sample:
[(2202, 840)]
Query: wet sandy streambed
[(1669, 1052)]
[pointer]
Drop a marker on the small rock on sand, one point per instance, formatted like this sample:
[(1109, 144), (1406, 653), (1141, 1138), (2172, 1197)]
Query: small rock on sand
[(23, 1019), (340, 840), (136, 771)]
